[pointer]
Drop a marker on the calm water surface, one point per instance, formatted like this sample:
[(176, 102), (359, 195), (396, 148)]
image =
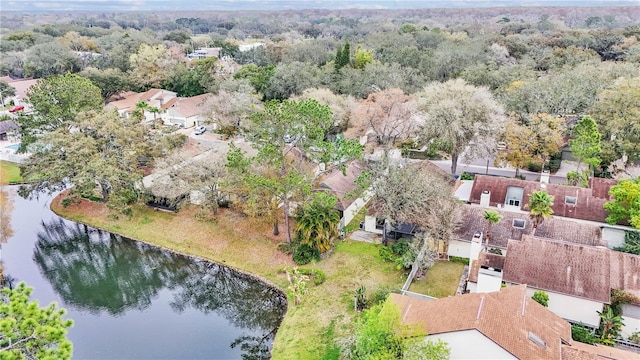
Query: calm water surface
[(130, 300)]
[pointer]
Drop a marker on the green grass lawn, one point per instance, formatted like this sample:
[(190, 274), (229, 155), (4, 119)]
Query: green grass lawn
[(9, 173), (441, 280), (307, 331)]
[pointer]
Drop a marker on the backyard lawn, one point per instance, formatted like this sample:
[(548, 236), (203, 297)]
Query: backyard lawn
[(9, 173), (441, 280), (308, 330)]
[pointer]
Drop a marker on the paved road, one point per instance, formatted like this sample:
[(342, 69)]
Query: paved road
[(559, 177)]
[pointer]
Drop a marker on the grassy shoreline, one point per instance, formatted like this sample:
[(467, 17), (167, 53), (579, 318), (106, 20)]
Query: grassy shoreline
[(307, 331), (9, 173)]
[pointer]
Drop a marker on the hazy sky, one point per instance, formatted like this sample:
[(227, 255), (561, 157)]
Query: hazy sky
[(160, 5)]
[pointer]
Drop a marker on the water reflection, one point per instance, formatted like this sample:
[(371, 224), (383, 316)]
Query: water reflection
[(96, 271)]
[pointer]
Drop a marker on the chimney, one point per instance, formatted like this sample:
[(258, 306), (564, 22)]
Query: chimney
[(476, 246), (485, 198), (544, 177)]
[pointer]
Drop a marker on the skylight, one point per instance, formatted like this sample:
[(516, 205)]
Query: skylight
[(519, 223)]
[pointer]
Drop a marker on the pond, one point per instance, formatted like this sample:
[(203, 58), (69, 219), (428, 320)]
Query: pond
[(130, 300)]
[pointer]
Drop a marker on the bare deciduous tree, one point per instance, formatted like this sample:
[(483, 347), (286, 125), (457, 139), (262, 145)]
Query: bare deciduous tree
[(388, 113)]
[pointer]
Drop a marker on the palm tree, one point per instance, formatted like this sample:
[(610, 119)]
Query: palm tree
[(492, 217), (317, 223), (610, 325), (138, 112), (540, 207)]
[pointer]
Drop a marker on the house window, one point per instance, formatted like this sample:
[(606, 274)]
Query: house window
[(379, 224), (513, 202), (570, 200), (519, 223)]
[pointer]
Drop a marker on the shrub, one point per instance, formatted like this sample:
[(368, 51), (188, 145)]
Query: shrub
[(360, 300), (583, 334), (634, 337), (466, 176), (401, 246), (380, 296), (460, 260), (534, 167), (286, 247), (541, 298), (575, 178), (316, 275), (495, 251), (304, 254), (553, 165), (387, 254)]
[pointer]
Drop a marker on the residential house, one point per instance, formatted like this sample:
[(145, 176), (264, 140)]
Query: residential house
[(186, 112), (203, 53), (379, 226), (8, 128), (247, 47), (341, 185), (505, 324), (577, 277), (516, 224), (569, 201), (21, 86), (167, 187), (125, 102)]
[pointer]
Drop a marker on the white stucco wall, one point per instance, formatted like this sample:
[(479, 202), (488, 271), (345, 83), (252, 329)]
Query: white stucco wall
[(631, 316), (352, 210), (488, 281), (370, 224), (572, 308), (472, 344), (459, 248)]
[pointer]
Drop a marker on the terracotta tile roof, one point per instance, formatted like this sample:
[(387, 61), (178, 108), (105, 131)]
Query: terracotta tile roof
[(562, 267), (21, 85), (581, 351), (625, 272), (340, 184), (169, 104), (589, 205), (507, 317), (553, 228), (126, 101), (487, 259), (191, 106)]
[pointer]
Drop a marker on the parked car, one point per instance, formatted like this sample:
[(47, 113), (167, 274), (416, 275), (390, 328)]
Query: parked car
[(199, 130), (16, 108)]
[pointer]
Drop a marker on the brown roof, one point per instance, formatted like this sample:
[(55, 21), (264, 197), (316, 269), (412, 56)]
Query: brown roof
[(487, 259), (126, 101), (169, 103), (507, 317), (191, 106), (581, 351), (562, 267), (589, 205), (21, 85), (341, 184), (552, 228), (625, 272)]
